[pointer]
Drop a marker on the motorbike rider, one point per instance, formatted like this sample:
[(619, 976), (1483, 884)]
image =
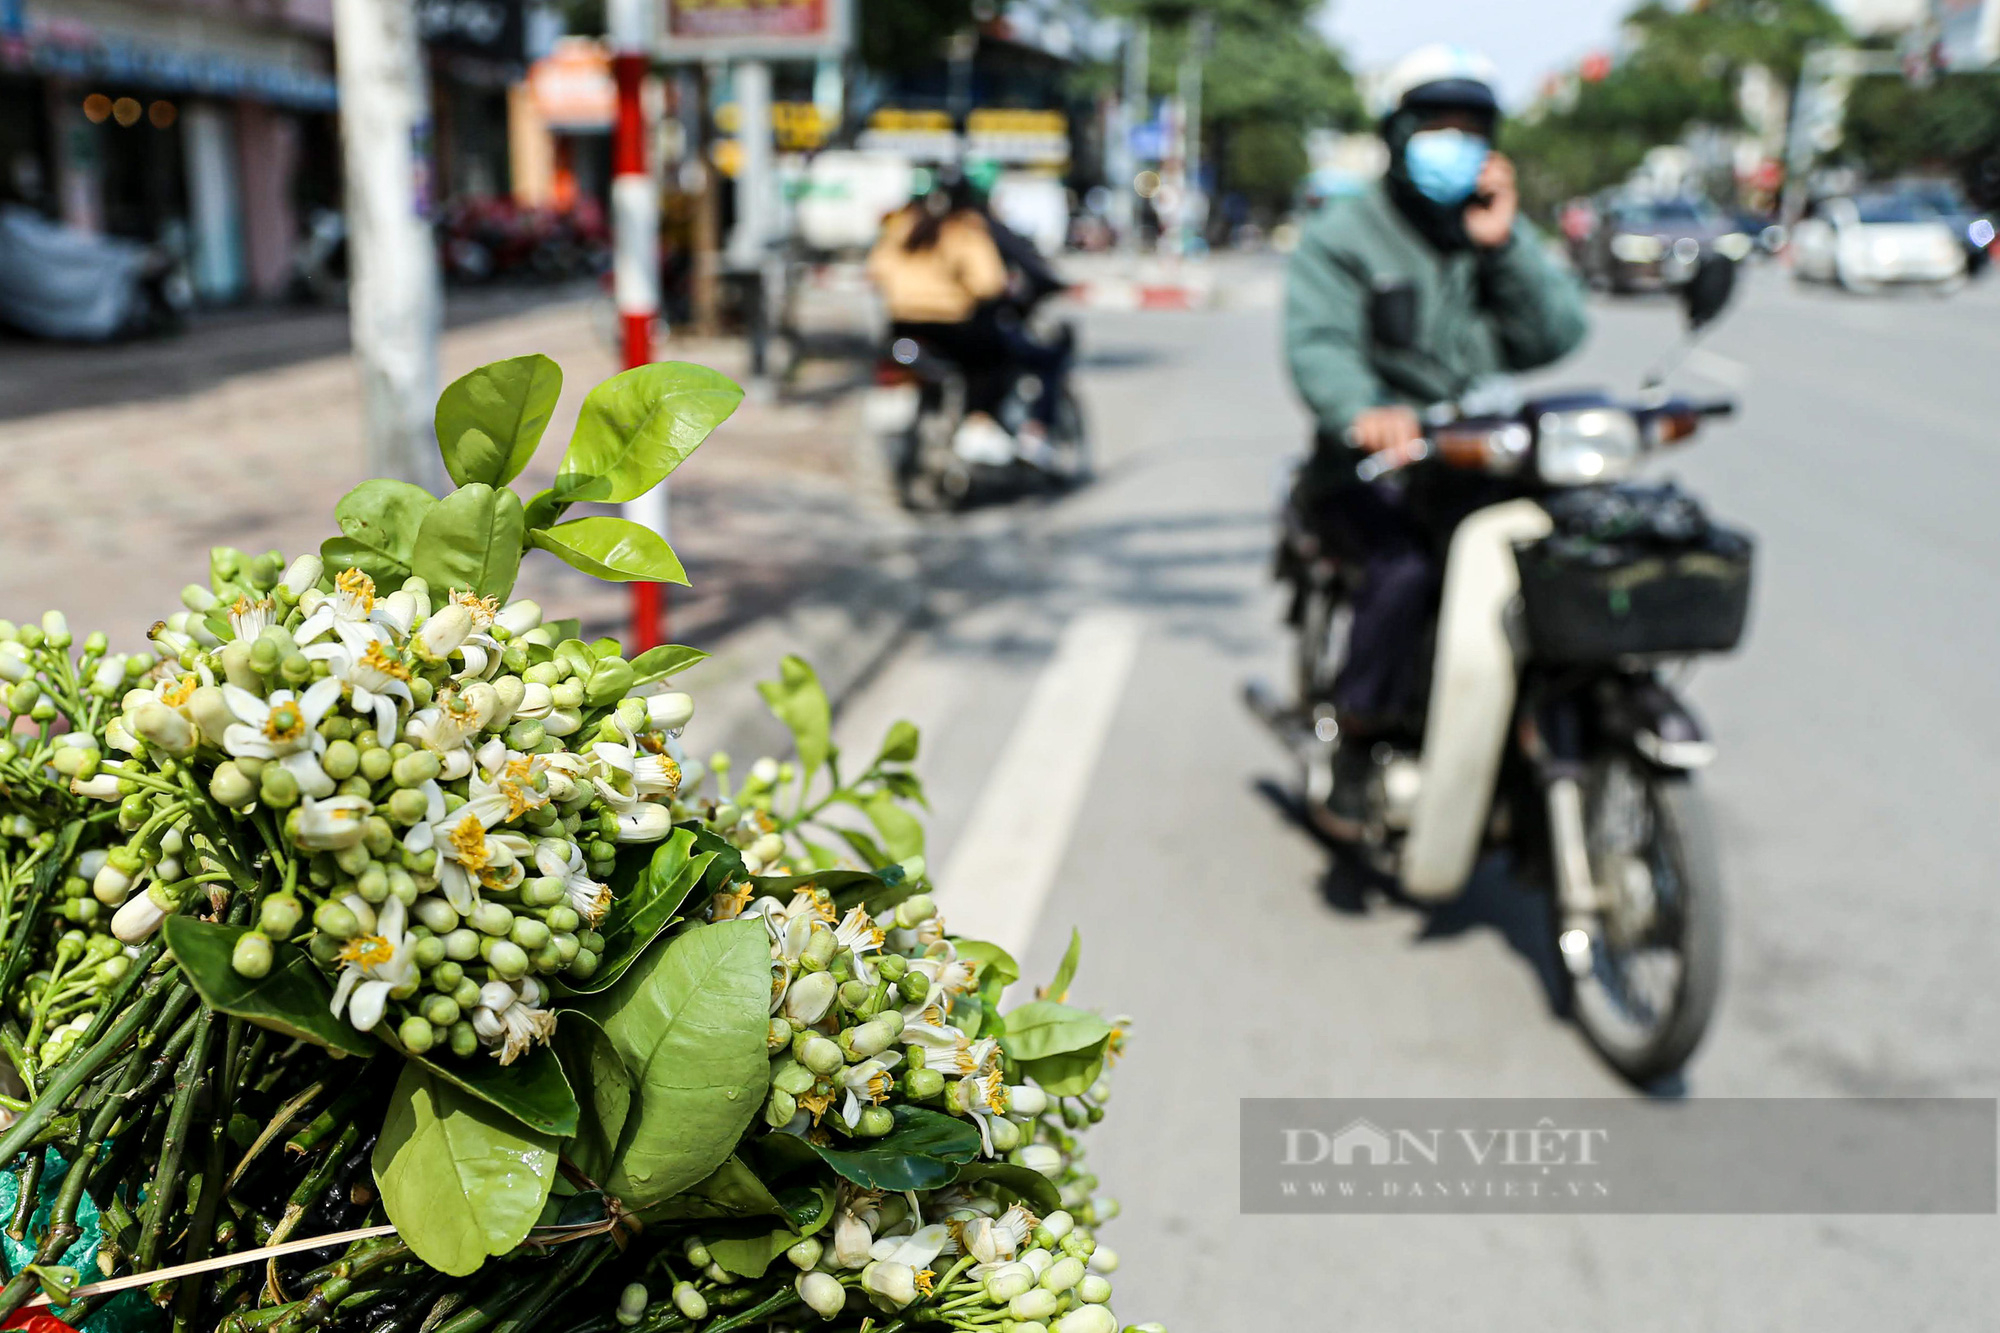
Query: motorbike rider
[(1396, 298), (943, 266)]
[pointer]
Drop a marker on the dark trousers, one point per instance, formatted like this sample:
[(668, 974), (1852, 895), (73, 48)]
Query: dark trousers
[(991, 349), (1371, 525)]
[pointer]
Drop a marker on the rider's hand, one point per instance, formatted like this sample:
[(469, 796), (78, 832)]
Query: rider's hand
[(1489, 218), (1382, 428)]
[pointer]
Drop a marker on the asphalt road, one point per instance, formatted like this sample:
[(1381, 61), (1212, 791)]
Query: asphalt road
[(1860, 761)]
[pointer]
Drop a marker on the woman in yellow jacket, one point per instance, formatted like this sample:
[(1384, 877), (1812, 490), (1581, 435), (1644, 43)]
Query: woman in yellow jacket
[(939, 272)]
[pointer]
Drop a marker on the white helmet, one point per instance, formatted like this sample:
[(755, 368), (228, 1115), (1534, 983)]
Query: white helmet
[(1439, 75)]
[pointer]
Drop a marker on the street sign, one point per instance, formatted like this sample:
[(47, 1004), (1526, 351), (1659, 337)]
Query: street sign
[(490, 28), (572, 86), (765, 30)]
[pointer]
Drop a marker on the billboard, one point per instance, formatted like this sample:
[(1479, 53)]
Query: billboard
[(754, 29)]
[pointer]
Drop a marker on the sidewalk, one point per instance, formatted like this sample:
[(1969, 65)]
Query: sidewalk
[(782, 518)]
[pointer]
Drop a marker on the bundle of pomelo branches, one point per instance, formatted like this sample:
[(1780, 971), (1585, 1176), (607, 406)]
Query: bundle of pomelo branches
[(373, 957)]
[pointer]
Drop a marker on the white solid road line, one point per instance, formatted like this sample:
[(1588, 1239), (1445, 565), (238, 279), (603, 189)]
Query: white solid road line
[(1006, 860)]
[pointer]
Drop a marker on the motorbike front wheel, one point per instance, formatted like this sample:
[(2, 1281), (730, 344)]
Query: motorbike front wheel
[(1656, 947)]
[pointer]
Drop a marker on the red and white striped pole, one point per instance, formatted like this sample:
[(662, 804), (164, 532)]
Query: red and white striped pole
[(635, 262)]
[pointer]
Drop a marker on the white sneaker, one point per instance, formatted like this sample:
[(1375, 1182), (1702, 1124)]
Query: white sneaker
[(982, 440)]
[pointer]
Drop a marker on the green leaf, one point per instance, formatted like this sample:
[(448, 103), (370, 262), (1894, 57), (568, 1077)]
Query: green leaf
[(643, 906), (1069, 1074), (900, 745), (292, 998), (1066, 971), (637, 427), (866, 848), (460, 1181), (731, 1191), (797, 699), (902, 833), (749, 1256), (1025, 1183), (908, 786), (593, 1064), (997, 968), (382, 521), (689, 1020), (1044, 1027), (489, 421), (532, 1089), (669, 659), (614, 549), (922, 1152), (472, 539)]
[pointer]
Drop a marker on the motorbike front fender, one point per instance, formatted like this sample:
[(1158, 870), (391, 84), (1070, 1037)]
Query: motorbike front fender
[(1473, 682)]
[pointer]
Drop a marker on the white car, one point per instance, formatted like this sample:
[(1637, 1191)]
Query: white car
[(1871, 240)]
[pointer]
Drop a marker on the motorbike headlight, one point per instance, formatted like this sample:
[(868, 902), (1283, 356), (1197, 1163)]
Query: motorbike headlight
[(1635, 249), (1733, 246), (1590, 444)]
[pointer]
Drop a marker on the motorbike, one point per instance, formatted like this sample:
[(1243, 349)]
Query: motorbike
[(1553, 724), (916, 407)]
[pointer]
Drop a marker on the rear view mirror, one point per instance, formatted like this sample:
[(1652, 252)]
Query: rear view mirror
[(1708, 289)]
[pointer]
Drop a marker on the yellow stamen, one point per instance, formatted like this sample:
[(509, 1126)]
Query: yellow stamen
[(483, 608), (729, 904), (377, 658), (924, 1278), (286, 723), (468, 844), (879, 1084), (816, 1103), (178, 693), (357, 586), (994, 1089), (367, 951)]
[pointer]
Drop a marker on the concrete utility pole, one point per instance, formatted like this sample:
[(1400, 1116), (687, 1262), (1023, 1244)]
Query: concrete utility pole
[(1132, 112), (1194, 205), (393, 294), (756, 196), (635, 260)]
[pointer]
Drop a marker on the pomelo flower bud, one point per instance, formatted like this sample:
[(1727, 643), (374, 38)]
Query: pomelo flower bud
[(913, 910), (519, 616), (279, 915), (55, 627), (893, 1282), (1034, 1303), (871, 1038), (1054, 1227), (1039, 1157), (1087, 1319), (1007, 1281), (333, 824), (1026, 1099), (14, 666), (1063, 1274), (1104, 1259), (141, 915), (696, 1252), (537, 701), (1093, 1290), (823, 1292), (764, 772), (806, 1255), (198, 598), (645, 822), (159, 725), (819, 1054), (109, 675), (670, 711), (101, 787), (110, 885), (689, 1301), (230, 788), (252, 955), (809, 997), (445, 632), (632, 1304), (302, 573)]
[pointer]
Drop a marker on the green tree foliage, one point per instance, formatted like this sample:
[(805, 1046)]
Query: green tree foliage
[(1681, 70), (899, 35), (1952, 126), (1270, 75)]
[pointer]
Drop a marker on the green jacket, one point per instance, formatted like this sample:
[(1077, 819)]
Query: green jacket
[(1477, 313)]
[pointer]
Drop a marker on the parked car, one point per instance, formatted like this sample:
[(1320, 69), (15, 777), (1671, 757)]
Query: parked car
[(1645, 244), (1975, 229), (1867, 241)]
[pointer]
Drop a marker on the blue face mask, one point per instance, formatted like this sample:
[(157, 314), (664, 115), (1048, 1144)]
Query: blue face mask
[(1444, 165)]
